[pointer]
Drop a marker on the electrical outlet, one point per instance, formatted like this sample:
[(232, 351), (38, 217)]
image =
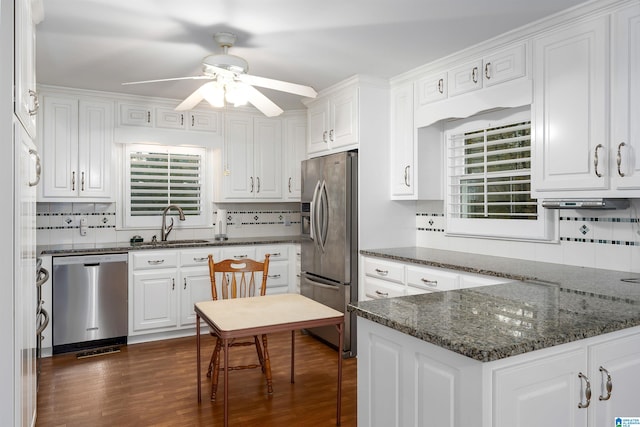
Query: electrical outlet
[(287, 220)]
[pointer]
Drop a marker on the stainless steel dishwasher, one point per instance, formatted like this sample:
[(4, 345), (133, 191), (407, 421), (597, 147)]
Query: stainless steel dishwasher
[(89, 301)]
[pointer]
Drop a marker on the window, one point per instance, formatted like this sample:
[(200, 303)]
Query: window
[(489, 178), (158, 176)]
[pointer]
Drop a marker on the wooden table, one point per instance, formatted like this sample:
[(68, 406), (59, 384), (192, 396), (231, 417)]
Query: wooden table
[(245, 317)]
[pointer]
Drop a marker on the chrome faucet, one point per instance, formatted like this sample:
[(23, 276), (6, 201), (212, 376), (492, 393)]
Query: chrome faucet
[(164, 232)]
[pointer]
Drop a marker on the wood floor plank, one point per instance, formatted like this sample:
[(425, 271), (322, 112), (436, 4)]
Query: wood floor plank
[(154, 384)]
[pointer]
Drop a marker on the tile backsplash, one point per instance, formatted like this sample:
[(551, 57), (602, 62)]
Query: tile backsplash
[(59, 223), (601, 239)]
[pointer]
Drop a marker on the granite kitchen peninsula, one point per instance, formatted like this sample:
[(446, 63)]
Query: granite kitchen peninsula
[(549, 337)]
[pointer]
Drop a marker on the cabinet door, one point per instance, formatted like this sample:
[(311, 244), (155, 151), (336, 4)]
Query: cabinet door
[(295, 152), (318, 122), (204, 121), (154, 299), (571, 108), (195, 287), (267, 156), (626, 99), (26, 101), (95, 136), (239, 182), (59, 147), (135, 115), (543, 392), (431, 88), (402, 143), (344, 118), (621, 359), (465, 78), (169, 118), (504, 65)]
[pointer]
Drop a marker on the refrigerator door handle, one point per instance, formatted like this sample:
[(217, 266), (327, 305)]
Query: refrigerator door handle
[(312, 213), (323, 216), (322, 285)]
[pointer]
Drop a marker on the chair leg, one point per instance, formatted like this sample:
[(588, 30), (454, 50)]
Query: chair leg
[(216, 369), (267, 365), (259, 351), (212, 360)]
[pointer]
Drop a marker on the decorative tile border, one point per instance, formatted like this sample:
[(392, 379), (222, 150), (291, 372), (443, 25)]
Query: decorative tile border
[(596, 219), (601, 241), (107, 220), (266, 217)]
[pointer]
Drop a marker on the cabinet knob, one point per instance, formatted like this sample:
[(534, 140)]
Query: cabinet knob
[(382, 272), (596, 160), (36, 102), (619, 158), (474, 74), (331, 135), (73, 180), (428, 282), (155, 261), (406, 175), (382, 294), (324, 136), (441, 85), (82, 181), (38, 168), (587, 391), (486, 70), (608, 385)]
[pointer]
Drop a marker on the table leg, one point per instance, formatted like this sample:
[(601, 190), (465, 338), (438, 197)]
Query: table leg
[(225, 342), (339, 393), (293, 352), (198, 355)]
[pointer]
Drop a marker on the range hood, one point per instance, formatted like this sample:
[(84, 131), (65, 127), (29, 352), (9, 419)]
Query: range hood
[(585, 203)]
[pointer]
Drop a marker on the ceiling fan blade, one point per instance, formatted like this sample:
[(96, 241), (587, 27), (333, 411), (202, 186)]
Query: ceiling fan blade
[(191, 101), (262, 103), (169, 80), (278, 85)]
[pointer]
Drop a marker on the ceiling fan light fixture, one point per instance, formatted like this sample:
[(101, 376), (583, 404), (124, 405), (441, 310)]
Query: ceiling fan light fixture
[(213, 93), (231, 63), (236, 94)]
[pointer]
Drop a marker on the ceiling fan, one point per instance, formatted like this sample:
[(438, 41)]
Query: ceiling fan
[(230, 83)]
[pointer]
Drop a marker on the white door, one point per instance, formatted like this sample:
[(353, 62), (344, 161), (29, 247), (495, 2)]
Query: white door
[(267, 149), (95, 137), (195, 287), (402, 153), (570, 108), (154, 299), (169, 118), (465, 78), (344, 118), (626, 99), (620, 362), (318, 122), (295, 129), (239, 182), (26, 98), (431, 88)]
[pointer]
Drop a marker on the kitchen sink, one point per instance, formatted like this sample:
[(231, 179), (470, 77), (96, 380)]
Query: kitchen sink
[(169, 243)]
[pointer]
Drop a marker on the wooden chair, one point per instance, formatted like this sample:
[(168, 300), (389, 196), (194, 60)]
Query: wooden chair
[(238, 281)]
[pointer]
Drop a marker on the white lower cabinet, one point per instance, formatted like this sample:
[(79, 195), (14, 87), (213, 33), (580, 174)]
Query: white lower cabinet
[(165, 284), (405, 381)]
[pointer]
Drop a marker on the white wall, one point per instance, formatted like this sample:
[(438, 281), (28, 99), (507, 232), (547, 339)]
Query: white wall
[(601, 239)]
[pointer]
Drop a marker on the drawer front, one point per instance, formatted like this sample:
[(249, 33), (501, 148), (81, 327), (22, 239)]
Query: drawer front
[(145, 260), (198, 257), (379, 289), (432, 279), (238, 252), (276, 253), (278, 275), (384, 270)]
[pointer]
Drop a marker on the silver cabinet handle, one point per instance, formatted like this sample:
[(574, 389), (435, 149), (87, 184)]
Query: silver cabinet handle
[(441, 85), (155, 261), (276, 254), (587, 391), (258, 181), (289, 184), (193, 121), (474, 74), (36, 102), (324, 136), (406, 175), (595, 160), (619, 158), (173, 284), (273, 276), (240, 256), (185, 283), (382, 272), (201, 259), (251, 185), (331, 135), (73, 180), (382, 294), (82, 181), (38, 167), (486, 70), (428, 282), (148, 116), (608, 385)]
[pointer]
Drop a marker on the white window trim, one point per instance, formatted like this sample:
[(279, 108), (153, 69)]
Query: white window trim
[(542, 229), (153, 222)]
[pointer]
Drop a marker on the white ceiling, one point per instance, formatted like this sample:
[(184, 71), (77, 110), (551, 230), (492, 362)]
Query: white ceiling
[(99, 44)]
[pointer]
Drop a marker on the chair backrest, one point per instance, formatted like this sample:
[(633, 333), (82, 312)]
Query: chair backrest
[(238, 277)]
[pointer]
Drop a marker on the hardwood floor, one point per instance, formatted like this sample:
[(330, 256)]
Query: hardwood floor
[(154, 384)]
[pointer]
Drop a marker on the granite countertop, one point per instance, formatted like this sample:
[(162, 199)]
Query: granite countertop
[(98, 248), (544, 305)]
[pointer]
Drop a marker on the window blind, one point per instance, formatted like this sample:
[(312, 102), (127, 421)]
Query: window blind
[(490, 173), (158, 179)]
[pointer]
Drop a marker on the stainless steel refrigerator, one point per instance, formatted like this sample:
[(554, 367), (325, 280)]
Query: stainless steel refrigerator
[(329, 214)]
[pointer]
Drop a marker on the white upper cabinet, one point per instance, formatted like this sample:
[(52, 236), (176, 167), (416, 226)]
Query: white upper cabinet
[(253, 158), (431, 88), (295, 137), (570, 112), (166, 117), (625, 105), (333, 121), (403, 147), (76, 142), (26, 97)]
